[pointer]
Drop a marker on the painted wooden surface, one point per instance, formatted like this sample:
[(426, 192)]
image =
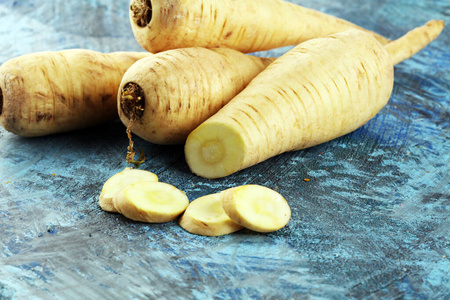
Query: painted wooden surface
[(372, 222)]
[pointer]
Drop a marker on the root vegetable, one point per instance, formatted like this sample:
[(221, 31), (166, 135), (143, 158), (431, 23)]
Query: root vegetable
[(206, 216), (256, 207), (49, 92), (152, 202), (244, 25), (170, 93), (414, 41), (119, 181), (320, 90)]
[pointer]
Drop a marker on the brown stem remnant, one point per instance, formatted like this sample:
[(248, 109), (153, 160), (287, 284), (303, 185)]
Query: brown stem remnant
[(130, 149), (132, 103), (141, 12)]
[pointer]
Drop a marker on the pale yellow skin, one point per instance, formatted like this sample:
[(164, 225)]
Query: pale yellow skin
[(321, 89), (119, 181), (184, 87), (256, 207), (49, 92), (151, 202), (244, 25), (206, 216), (414, 41)]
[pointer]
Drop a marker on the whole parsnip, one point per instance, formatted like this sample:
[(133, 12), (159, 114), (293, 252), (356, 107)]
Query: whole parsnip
[(244, 25), (56, 91)]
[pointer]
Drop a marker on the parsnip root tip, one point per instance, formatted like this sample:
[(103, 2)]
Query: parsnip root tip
[(414, 41)]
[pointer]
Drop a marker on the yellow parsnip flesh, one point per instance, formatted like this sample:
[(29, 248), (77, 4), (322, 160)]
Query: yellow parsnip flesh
[(118, 182), (206, 216), (151, 202), (256, 207)]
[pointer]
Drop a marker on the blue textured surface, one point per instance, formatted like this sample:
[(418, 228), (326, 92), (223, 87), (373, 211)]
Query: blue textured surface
[(372, 222)]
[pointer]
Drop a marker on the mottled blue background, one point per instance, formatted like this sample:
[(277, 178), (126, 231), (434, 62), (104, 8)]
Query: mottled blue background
[(372, 222)]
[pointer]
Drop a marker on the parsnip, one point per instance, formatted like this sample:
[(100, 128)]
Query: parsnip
[(256, 207), (170, 93), (152, 202), (118, 182), (244, 25), (49, 92), (414, 41), (320, 90), (206, 216)]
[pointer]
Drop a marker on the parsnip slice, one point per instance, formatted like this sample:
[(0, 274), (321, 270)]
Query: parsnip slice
[(256, 207), (151, 202), (119, 181), (206, 216)]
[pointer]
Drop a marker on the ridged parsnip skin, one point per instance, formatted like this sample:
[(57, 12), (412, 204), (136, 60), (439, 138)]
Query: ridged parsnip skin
[(184, 87), (244, 25), (205, 216), (119, 181), (414, 41), (256, 207), (57, 91), (151, 202), (320, 90)]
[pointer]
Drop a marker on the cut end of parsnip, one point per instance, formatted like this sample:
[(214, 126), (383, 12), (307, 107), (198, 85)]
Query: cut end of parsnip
[(214, 150), (118, 182), (206, 216), (151, 202), (256, 207)]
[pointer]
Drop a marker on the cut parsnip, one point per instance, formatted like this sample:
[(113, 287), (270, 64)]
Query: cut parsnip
[(256, 207), (151, 202), (119, 181), (206, 216), (320, 90)]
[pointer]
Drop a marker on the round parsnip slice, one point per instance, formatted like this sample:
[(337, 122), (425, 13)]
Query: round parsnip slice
[(119, 181), (205, 216), (256, 207), (151, 202)]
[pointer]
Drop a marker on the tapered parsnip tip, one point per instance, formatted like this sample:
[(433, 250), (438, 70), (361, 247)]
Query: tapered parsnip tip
[(414, 41), (206, 216), (151, 202), (256, 207), (215, 150), (120, 180)]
